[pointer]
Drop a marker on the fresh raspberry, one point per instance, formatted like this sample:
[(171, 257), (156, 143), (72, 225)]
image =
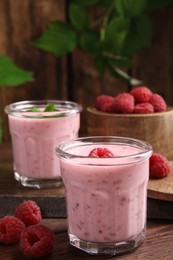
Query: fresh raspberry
[(10, 229), (158, 103), (143, 108), (159, 166), (141, 94), (100, 152), (123, 103), (103, 103), (29, 212), (36, 241)]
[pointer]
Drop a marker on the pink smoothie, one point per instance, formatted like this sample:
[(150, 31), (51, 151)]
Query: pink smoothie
[(106, 202), (34, 141)]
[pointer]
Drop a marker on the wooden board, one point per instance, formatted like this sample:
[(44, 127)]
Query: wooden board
[(51, 201), (162, 189)]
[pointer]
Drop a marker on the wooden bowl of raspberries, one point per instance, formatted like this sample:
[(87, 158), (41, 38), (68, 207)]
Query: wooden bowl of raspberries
[(139, 114)]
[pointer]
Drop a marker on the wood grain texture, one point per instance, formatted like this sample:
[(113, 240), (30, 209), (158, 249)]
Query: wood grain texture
[(159, 209), (51, 201), (20, 23), (155, 63), (157, 245)]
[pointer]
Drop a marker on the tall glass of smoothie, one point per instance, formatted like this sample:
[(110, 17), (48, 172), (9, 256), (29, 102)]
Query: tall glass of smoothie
[(36, 127), (106, 192)]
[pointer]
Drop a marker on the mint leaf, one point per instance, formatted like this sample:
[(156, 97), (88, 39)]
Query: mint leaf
[(89, 42), (50, 108), (120, 61), (117, 72), (116, 33), (59, 38), (78, 16), (34, 109), (11, 74), (130, 7), (139, 35), (105, 4), (100, 63)]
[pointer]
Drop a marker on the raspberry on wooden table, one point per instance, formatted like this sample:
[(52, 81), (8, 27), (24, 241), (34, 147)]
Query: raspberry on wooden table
[(36, 241), (141, 94), (29, 212), (159, 166), (10, 229)]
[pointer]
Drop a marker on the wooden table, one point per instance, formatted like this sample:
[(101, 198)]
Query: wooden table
[(157, 245)]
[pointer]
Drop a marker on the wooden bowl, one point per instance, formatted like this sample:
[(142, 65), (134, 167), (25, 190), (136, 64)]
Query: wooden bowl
[(155, 128)]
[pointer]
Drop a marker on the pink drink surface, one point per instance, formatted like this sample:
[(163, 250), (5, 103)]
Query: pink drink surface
[(106, 203), (34, 141)]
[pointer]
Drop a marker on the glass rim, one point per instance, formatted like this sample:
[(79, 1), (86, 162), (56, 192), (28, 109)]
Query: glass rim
[(67, 108), (62, 148)]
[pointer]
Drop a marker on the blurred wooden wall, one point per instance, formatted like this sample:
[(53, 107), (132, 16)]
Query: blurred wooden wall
[(73, 77)]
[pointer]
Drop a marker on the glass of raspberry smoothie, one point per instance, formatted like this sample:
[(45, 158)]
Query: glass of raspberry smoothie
[(36, 127), (106, 191)]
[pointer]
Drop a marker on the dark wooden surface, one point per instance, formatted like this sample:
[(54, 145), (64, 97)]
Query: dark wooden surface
[(51, 201), (157, 245)]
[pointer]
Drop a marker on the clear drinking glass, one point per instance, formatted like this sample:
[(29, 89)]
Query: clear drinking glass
[(106, 197), (36, 127)]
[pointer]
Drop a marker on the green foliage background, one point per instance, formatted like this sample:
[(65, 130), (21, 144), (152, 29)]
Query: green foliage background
[(112, 39), (10, 76)]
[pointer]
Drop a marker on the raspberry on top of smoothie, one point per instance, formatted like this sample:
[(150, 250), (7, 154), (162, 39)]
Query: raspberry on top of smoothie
[(101, 152)]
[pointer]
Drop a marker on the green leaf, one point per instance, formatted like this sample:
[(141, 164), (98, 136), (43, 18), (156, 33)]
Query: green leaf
[(50, 108), (78, 16), (119, 61), (139, 35), (89, 42), (157, 4), (105, 4), (130, 7), (116, 33), (84, 2), (100, 63), (11, 74), (34, 109), (59, 38), (117, 72), (120, 8)]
